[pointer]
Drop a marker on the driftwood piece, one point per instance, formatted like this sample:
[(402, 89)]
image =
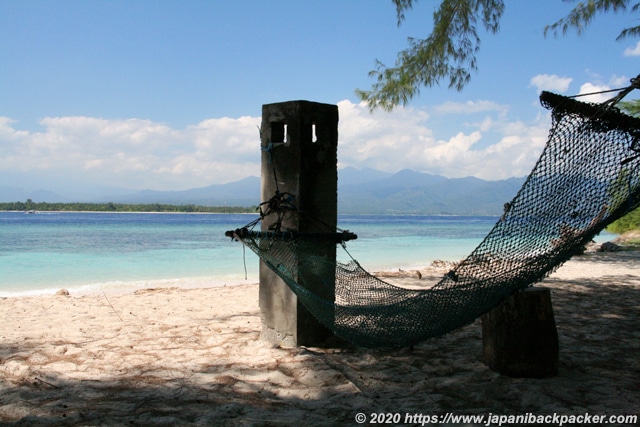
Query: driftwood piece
[(519, 336)]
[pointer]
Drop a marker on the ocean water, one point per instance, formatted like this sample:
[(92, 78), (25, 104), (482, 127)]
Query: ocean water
[(119, 252)]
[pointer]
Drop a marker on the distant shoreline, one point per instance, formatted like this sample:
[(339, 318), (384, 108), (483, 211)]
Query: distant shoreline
[(109, 207), (135, 212), (246, 211)]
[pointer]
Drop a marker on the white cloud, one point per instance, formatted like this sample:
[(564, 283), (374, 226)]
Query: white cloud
[(135, 153), (592, 88), (141, 154), (551, 82), (633, 51), (470, 107), (588, 90), (405, 139)]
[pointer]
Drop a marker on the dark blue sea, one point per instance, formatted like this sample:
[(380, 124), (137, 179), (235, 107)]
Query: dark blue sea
[(118, 252)]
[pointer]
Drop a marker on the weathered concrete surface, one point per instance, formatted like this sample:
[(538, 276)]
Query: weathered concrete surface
[(299, 156)]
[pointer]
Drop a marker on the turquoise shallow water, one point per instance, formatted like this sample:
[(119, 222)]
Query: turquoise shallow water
[(106, 252)]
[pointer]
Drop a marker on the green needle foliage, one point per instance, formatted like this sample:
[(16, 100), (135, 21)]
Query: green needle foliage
[(448, 54), (584, 12)]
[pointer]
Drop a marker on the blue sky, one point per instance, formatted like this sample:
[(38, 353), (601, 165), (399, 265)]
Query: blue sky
[(167, 95)]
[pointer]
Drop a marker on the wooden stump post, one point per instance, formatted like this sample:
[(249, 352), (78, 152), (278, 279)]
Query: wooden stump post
[(519, 336)]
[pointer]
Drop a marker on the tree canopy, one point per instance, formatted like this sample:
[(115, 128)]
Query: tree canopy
[(448, 54)]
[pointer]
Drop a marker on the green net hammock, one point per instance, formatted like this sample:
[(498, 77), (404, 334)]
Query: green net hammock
[(586, 178)]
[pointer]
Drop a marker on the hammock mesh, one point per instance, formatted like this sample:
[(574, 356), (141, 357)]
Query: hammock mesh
[(586, 178)]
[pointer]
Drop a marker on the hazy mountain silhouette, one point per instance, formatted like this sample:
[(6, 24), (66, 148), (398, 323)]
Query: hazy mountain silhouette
[(359, 191)]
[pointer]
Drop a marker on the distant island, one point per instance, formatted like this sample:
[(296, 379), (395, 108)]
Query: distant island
[(30, 206)]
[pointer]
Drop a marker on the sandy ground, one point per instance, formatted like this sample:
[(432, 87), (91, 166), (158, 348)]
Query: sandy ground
[(193, 357)]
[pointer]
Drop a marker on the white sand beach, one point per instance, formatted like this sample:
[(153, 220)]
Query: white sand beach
[(193, 357)]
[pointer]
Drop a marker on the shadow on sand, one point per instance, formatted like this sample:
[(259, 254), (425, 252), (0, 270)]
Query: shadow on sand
[(599, 373)]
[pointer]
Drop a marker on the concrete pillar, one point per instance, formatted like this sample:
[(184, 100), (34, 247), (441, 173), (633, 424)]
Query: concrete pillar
[(299, 156)]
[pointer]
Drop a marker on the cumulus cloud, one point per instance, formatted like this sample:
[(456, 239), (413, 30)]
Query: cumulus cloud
[(405, 139), (551, 82), (633, 51), (135, 153), (142, 154), (593, 88)]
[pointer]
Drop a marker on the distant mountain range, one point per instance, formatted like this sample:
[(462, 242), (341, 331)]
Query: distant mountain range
[(411, 192), (359, 191)]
